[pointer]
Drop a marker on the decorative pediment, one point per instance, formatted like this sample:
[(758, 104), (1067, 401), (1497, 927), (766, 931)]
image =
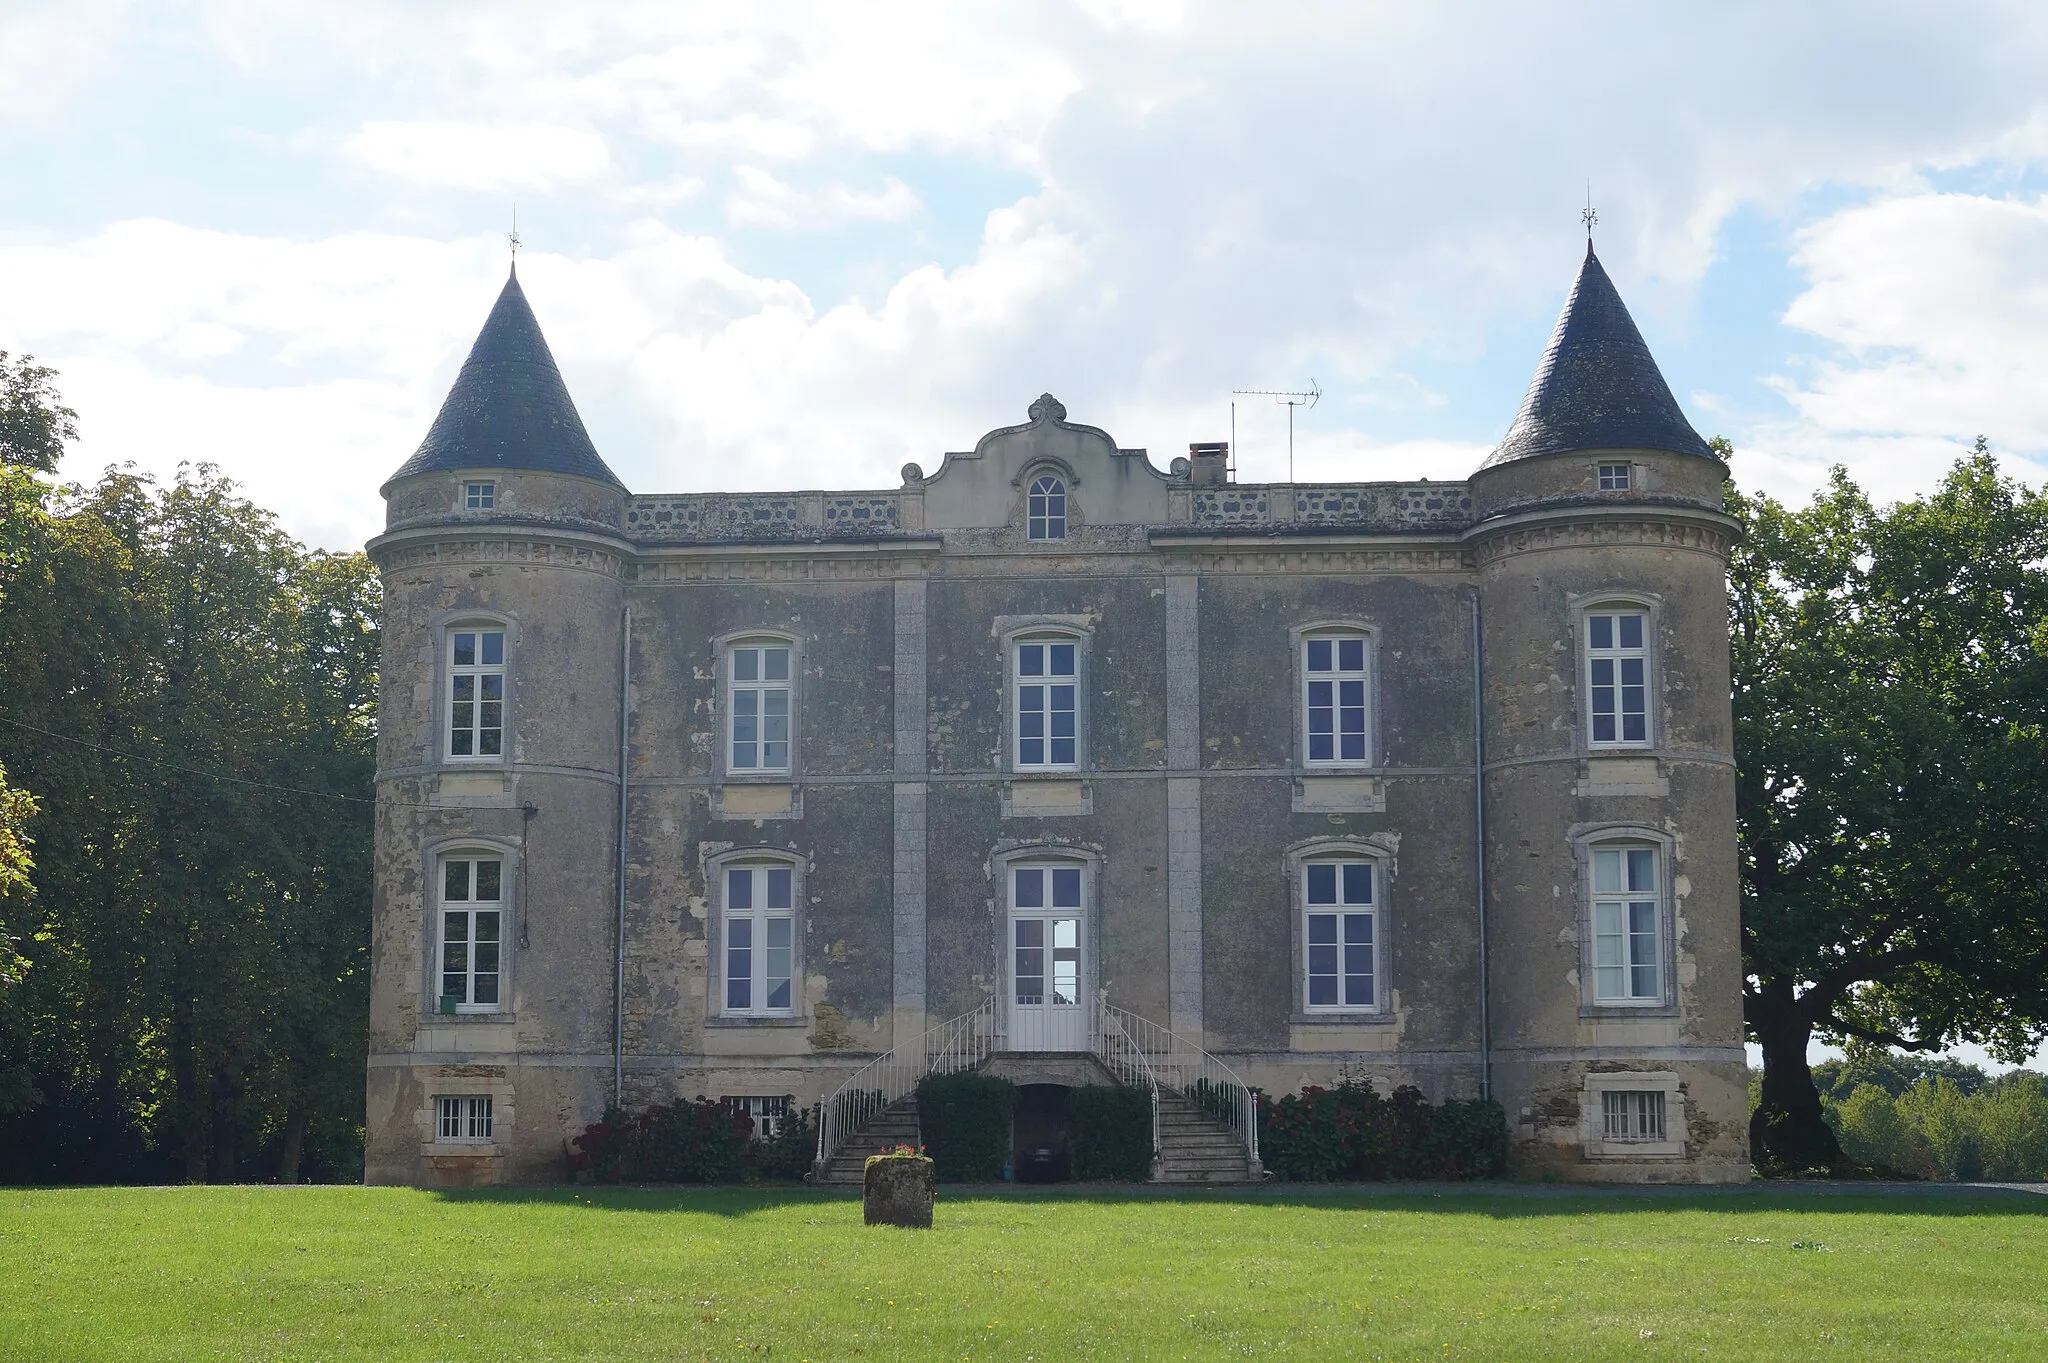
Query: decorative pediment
[(984, 487)]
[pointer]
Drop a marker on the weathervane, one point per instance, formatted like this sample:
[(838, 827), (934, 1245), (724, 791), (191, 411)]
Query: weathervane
[(1589, 215), (512, 238)]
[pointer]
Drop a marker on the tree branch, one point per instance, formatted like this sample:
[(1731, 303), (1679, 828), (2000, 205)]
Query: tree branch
[(1876, 1037), (1819, 1001)]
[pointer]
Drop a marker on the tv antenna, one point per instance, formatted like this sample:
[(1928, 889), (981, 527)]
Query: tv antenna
[(1287, 398)]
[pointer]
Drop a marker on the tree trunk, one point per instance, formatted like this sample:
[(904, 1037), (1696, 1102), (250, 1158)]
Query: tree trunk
[(294, 1145), (188, 1097), (1787, 1131), (227, 1107)]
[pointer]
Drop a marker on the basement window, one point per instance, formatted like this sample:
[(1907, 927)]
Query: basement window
[(767, 1114), (462, 1120), (1632, 1114)]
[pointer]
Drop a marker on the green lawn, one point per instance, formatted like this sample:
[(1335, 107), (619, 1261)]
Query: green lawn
[(323, 1273)]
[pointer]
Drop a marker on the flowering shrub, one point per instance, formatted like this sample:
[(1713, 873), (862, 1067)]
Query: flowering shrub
[(1350, 1132), (691, 1142)]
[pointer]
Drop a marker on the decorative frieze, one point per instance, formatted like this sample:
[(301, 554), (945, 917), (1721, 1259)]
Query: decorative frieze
[(523, 551), (1608, 531)]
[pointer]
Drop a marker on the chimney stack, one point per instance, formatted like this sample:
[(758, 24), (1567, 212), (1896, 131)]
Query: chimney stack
[(1209, 463)]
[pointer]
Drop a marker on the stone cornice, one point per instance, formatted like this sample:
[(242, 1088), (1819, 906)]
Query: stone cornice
[(1689, 528), (509, 544)]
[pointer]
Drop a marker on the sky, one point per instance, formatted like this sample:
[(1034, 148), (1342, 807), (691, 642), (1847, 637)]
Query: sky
[(796, 245)]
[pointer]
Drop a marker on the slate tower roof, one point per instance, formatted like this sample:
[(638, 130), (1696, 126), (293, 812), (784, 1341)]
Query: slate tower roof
[(509, 408), (1597, 387)]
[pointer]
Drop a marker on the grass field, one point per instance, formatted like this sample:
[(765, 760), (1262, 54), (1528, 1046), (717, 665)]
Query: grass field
[(334, 1273)]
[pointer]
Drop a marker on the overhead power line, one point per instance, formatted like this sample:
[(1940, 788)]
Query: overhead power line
[(200, 772)]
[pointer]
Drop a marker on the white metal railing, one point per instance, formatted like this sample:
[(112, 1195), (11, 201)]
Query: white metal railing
[(1127, 1062), (1176, 1063), (948, 1048)]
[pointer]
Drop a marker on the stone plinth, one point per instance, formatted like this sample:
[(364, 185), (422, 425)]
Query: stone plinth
[(898, 1190)]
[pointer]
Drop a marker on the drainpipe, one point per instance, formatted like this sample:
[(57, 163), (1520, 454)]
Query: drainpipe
[(1479, 847), (619, 922)]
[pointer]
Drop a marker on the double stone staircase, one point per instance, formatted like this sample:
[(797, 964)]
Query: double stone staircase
[(1193, 1147)]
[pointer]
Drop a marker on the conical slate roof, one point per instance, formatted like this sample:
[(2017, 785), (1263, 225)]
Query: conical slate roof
[(1597, 388), (509, 408)]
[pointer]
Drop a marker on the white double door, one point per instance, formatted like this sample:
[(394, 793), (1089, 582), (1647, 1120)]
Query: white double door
[(1047, 966)]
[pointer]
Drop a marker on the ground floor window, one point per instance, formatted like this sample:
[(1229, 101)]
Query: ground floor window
[(1339, 936), (471, 900), (464, 1120), (1627, 953), (760, 940), (1632, 1114)]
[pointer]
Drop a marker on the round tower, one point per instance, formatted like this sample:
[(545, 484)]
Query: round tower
[(1612, 900), (498, 776)]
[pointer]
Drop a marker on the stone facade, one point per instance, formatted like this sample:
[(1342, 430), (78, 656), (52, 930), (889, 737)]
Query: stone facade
[(1195, 808)]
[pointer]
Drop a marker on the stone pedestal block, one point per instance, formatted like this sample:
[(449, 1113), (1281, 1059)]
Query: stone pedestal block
[(898, 1190)]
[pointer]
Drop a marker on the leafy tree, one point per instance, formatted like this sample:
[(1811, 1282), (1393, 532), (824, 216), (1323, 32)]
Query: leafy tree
[(1891, 688), (2012, 1127), (1872, 1130), (190, 694), (34, 425)]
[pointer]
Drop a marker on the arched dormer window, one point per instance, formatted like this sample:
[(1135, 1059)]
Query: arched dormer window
[(1046, 508)]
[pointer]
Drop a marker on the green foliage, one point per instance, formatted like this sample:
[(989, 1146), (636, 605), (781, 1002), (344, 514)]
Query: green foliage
[(1892, 1072), (1351, 1133), (1891, 730), (1111, 1125), (966, 1123), (34, 424), (1936, 1129), (700, 1141), (174, 672)]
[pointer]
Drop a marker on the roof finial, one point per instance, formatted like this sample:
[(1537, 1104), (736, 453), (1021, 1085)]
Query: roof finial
[(512, 239), (1589, 215)]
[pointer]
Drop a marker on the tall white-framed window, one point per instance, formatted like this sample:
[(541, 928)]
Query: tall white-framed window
[(479, 496), (1627, 912), (1045, 511), (1046, 686), (470, 932), (758, 942), (1615, 477), (476, 692), (760, 705), (1340, 935), (462, 1119), (1336, 698), (1618, 676)]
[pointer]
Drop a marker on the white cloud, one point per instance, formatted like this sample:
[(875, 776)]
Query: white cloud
[(1208, 201), (1937, 316), (761, 200), (484, 157)]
